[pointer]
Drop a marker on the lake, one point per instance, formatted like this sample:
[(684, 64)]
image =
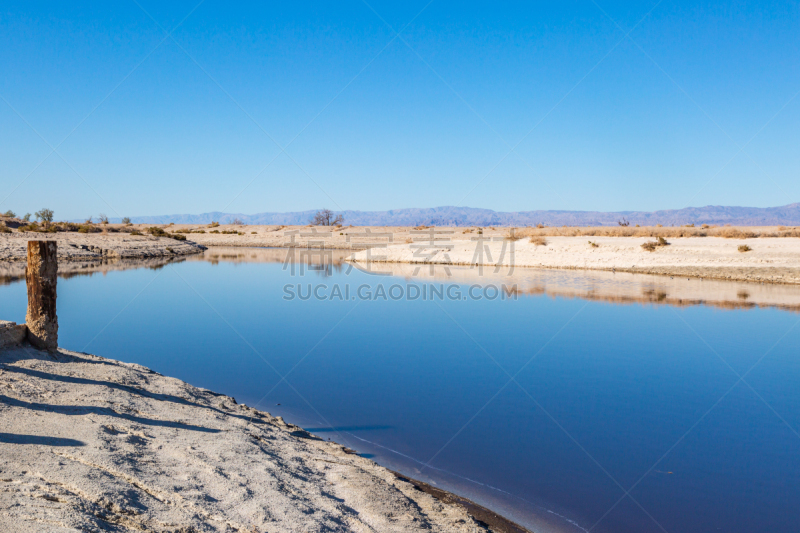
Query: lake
[(579, 402)]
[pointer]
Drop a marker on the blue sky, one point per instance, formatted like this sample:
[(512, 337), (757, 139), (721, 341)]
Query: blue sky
[(283, 106)]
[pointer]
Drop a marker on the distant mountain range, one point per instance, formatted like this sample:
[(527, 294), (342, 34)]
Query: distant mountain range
[(470, 216)]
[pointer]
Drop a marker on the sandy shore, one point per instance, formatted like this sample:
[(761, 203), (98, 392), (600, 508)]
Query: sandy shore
[(91, 444), (770, 259), (96, 246)]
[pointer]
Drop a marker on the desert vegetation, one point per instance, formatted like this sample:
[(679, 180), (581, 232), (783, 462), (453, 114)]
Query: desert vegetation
[(326, 217), (158, 232), (651, 246), (46, 216), (660, 231)]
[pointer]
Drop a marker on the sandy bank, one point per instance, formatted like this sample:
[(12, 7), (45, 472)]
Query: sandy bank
[(89, 444), (771, 260), (703, 253), (96, 246)]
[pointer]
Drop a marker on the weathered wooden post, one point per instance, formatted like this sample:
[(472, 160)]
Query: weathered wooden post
[(41, 276)]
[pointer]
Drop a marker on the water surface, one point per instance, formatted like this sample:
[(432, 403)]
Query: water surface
[(563, 411)]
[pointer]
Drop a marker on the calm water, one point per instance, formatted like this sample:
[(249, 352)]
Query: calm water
[(620, 418)]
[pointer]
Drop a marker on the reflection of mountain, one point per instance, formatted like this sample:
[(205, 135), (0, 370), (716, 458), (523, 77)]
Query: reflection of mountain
[(470, 216)]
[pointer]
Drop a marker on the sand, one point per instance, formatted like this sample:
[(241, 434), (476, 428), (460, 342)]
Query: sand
[(771, 260), (96, 246), (91, 444)]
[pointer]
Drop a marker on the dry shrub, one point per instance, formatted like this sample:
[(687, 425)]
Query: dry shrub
[(594, 244), (538, 240), (651, 246), (744, 248), (659, 231), (513, 235), (734, 233)]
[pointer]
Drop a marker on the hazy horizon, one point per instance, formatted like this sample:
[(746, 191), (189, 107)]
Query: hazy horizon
[(469, 216)]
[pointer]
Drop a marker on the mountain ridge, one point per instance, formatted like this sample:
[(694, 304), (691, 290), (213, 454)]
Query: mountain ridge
[(471, 216)]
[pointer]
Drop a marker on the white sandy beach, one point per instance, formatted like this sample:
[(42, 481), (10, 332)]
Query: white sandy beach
[(775, 260), (91, 444)]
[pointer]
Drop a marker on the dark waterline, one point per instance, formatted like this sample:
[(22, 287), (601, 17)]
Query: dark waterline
[(605, 398)]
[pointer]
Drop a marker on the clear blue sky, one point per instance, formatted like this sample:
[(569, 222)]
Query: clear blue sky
[(695, 107)]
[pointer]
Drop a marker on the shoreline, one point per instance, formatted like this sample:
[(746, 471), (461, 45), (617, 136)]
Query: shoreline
[(767, 259), (90, 441), (76, 247)]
